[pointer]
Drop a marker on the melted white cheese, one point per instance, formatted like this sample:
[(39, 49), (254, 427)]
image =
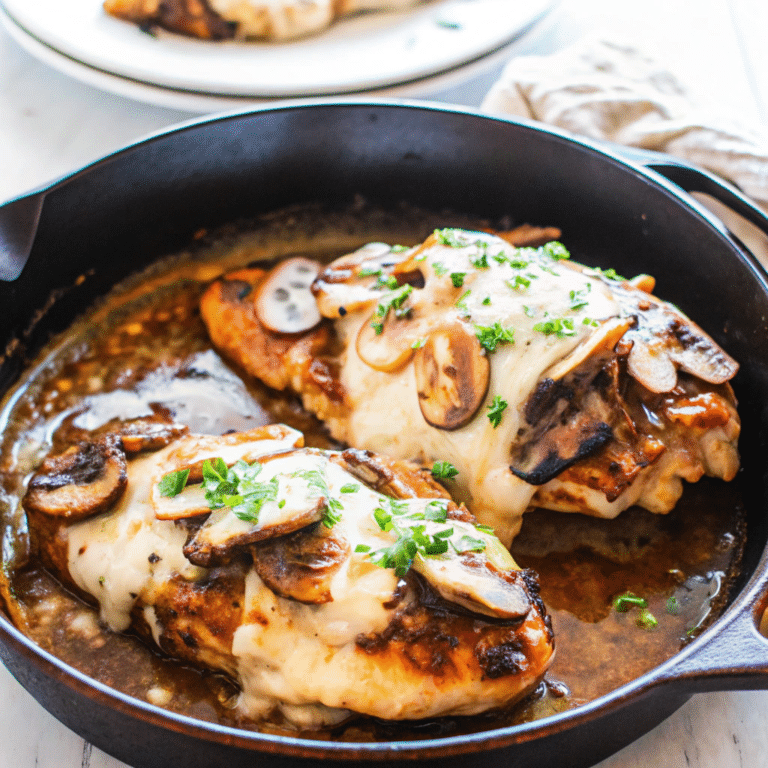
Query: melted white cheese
[(381, 402)]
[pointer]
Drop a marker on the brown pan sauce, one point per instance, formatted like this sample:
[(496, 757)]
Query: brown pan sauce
[(146, 350)]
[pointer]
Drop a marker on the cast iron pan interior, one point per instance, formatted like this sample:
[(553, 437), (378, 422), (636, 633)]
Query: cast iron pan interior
[(147, 201)]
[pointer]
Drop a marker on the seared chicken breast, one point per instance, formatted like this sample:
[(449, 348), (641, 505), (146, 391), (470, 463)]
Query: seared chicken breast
[(327, 584), (530, 379), (244, 19)]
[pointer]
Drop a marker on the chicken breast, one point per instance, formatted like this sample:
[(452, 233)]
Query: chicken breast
[(533, 380), (326, 584), (244, 19)]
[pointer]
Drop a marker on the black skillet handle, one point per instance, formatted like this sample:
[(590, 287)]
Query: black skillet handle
[(18, 226), (692, 179), (728, 657)]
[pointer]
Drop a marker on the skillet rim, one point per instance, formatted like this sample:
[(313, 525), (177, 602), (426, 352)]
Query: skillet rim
[(742, 605)]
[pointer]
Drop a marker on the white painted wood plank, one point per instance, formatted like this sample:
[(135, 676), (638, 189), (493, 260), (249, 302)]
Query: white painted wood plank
[(750, 21)]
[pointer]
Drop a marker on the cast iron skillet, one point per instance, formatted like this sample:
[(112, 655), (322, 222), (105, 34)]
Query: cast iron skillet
[(118, 215)]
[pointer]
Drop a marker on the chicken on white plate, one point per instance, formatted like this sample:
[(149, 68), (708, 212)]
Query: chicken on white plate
[(244, 19), (528, 380), (326, 584)]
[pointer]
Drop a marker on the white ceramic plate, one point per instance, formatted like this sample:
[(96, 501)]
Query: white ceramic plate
[(362, 53)]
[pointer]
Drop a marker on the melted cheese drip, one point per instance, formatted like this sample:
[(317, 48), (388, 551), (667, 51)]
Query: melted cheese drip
[(109, 555), (478, 450)]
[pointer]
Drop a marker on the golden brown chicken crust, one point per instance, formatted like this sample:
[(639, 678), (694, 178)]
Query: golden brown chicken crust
[(194, 18), (281, 361)]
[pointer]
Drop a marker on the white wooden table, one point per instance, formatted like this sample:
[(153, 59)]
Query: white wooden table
[(51, 124)]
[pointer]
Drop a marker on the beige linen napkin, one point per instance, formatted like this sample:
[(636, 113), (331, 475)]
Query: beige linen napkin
[(606, 89)]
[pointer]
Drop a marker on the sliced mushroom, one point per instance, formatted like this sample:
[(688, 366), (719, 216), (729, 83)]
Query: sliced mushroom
[(192, 451), (486, 582), (83, 481), (389, 350), (604, 338), (284, 302), (296, 506), (452, 376), (568, 420), (148, 434), (399, 479), (301, 565), (348, 285), (664, 339), (649, 362)]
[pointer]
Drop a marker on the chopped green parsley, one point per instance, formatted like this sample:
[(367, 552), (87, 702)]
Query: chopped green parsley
[(556, 250), (496, 410), (451, 237), (490, 336), (444, 470), (388, 281), (457, 278), (609, 274), (236, 487), (519, 283), (332, 507), (461, 304), (579, 298), (392, 301), (559, 326), (414, 537), (173, 483)]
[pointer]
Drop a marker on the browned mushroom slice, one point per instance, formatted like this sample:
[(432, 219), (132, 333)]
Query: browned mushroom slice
[(664, 340), (566, 421), (390, 349), (649, 362), (301, 565), (602, 340), (394, 478), (84, 480), (148, 434), (452, 376), (224, 533), (191, 452), (284, 302), (485, 581), (347, 285)]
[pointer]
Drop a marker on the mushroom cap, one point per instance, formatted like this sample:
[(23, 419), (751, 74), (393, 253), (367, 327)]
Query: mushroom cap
[(85, 480), (284, 302), (389, 350), (452, 376), (483, 581)]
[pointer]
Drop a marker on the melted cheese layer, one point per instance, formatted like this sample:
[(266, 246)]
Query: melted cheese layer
[(547, 290)]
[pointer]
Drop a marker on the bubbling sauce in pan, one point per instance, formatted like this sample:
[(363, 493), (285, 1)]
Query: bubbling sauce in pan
[(146, 350)]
